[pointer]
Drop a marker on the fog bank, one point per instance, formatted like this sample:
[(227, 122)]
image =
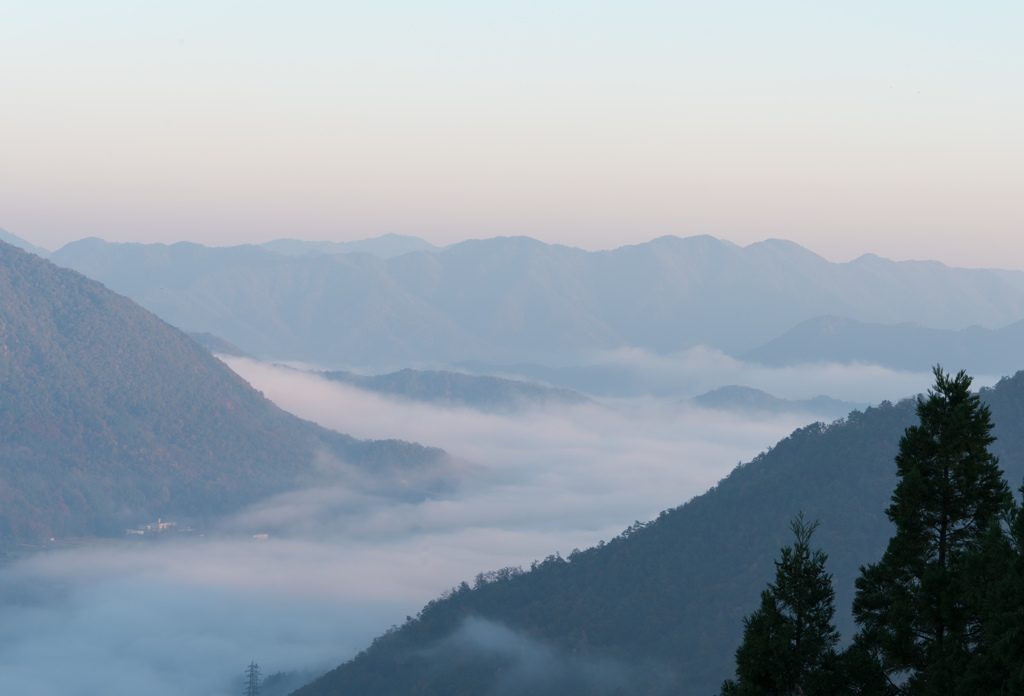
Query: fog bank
[(341, 565)]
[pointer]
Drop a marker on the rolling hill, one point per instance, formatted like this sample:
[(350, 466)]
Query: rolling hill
[(109, 417)]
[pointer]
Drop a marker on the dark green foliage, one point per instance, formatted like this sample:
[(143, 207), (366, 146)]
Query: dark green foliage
[(110, 418), (789, 642), (921, 608), (1004, 630)]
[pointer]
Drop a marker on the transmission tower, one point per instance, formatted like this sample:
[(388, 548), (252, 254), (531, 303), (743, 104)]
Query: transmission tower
[(252, 684)]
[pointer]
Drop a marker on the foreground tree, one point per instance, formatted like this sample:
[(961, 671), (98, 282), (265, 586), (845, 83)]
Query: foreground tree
[(789, 641), (922, 609), (996, 584)]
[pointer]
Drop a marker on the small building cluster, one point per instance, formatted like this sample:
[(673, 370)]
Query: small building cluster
[(158, 527)]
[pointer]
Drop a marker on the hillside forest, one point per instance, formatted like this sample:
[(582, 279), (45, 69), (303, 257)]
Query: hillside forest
[(660, 609)]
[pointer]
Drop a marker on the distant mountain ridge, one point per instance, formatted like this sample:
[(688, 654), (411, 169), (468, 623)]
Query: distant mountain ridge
[(109, 417), (14, 240), (897, 346), (750, 400), (483, 393), (514, 299), (386, 246)]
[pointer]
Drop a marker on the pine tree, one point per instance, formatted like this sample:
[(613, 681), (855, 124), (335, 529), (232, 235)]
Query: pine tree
[(917, 610), (789, 641), (997, 586), (1007, 601)]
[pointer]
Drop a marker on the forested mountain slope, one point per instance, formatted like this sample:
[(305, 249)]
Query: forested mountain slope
[(514, 299), (660, 608), (110, 417)]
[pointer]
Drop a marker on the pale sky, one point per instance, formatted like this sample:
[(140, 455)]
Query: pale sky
[(890, 128)]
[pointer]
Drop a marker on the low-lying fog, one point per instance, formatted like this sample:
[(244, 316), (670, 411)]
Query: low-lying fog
[(186, 618)]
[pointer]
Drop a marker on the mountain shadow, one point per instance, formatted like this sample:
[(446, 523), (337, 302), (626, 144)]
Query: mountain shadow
[(109, 417), (666, 597)]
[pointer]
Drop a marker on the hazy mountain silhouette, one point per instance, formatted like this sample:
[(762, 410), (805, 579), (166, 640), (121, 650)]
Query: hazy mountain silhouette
[(750, 400), (386, 246), (899, 346), (109, 417), (514, 299), (483, 393), (666, 597), (13, 240), (602, 379)]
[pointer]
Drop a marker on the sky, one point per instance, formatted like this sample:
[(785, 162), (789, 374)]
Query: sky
[(890, 128)]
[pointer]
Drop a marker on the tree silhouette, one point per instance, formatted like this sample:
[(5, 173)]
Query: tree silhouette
[(789, 641), (918, 608)]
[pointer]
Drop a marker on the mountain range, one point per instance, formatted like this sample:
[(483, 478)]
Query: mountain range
[(109, 418), (386, 246), (515, 299), (898, 346)]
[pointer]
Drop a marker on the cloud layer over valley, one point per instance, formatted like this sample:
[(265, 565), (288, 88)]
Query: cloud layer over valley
[(342, 564)]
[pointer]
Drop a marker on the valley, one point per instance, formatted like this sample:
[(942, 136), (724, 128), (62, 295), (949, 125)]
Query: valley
[(535, 469)]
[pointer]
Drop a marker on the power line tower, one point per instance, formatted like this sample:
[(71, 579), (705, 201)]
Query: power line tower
[(252, 683)]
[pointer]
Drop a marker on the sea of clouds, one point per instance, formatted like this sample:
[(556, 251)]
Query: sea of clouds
[(341, 565)]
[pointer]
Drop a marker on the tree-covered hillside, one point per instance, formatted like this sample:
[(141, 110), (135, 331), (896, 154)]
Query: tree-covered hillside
[(110, 417), (659, 609)]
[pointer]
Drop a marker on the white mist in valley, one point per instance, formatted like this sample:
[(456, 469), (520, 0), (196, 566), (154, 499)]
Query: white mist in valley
[(343, 564), (565, 475), (166, 618)]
